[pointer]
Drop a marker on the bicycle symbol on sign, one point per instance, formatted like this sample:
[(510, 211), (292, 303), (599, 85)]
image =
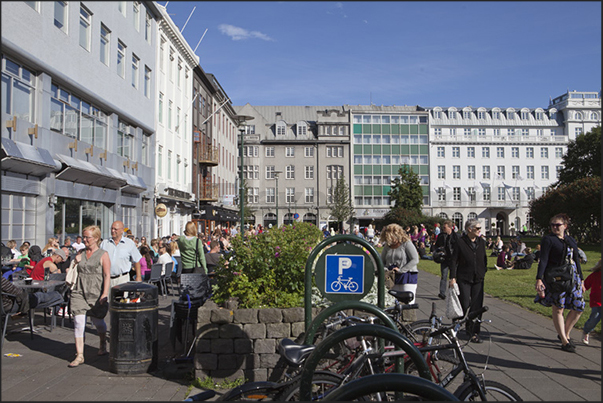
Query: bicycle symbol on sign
[(348, 284)]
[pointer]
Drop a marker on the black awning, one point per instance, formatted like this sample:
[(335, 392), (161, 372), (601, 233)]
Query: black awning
[(85, 172), (27, 159)]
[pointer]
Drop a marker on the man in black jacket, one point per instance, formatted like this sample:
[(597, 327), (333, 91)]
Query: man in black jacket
[(468, 268), (447, 239)]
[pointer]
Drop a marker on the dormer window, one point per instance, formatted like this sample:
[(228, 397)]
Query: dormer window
[(525, 115), (281, 128), (466, 114), (452, 114), (437, 114), (302, 128)]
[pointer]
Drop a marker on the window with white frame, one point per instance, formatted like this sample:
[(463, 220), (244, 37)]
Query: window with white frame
[(441, 194), (515, 193), (456, 152), (145, 150), (160, 111), (500, 172), (18, 90), (270, 192), (451, 114), (485, 152), (330, 193), (309, 195), (308, 152), (124, 143), (530, 172), (441, 172), (309, 172), (281, 128), (160, 161), (147, 27), (471, 172), (270, 172), (496, 115), (136, 15), (171, 66), (253, 195), (456, 172), (441, 153), (501, 193), (544, 152), (539, 115), (302, 128), (289, 152), (269, 152), (544, 172), (510, 115), (290, 195), (290, 172), (147, 81), (529, 152), (511, 132), (334, 151), (135, 63), (553, 132), (500, 152), (334, 172), (577, 131), (437, 132), (178, 72), (251, 151), (539, 132), (121, 59), (471, 193), (530, 193), (486, 194), (486, 172), (437, 114), (162, 54), (514, 152), (456, 194), (594, 116), (467, 132), (525, 132), (481, 115), (558, 152), (496, 132), (558, 168), (178, 162), (481, 132), (525, 115), (105, 45), (515, 172), (85, 27), (471, 152), (60, 15), (170, 106), (453, 132)]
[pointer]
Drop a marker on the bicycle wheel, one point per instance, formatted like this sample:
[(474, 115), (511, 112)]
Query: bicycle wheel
[(322, 384), (440, 364), (335, 286), (254, 391), (495, 391), (422, 328)]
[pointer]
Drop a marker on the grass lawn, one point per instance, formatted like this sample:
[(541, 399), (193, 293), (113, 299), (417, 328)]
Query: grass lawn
[(517, 286)]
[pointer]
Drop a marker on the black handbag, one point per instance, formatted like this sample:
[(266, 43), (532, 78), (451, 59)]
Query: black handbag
[(197, 269), (561, 278)]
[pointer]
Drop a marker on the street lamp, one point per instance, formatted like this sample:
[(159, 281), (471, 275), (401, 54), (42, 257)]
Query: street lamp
[(276, 173), (242, 121)]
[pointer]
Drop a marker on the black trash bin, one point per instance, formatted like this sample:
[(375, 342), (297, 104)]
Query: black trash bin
[(134, 320)]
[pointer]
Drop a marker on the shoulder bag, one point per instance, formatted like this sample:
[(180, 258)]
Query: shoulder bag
[(197, 269), (560, 278), (71, 277)]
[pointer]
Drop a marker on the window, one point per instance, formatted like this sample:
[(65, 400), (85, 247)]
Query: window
[(270, 172), (471, 193), (33, 4), (160, 112), (553, 132), (558, 152), (577, 131), (124, 142), (270, 195), (486, 194), (514, 152), (441, 194), (525, 115), (530, 193), (121, 6), (530, 172), (544, 172), (452, 114), (470, 152), (147, 28), (334, 152), (501, 193), (456, 172), (178, 162), (510, 132), (525, 132), (170, 103), (529, 152), (177, 127), (544, 152), (269, 152), (162, 55), (104, 45), (496, 132), (335, 171), (179, 72), (471, 172), (85, 23), (169, 165), (486, 172), (135, 62), (171, 65), (441, 172), (500, 172), (290, 195), (485, 152), (496, 115), (515, 193), (160, 161), (302, 129), (500, 152), (18, 91), (456, 152), (453, 132), (437, 132), (309, 195), (290, 172), (515, 172), (441, 153), (308, 151), (281, 128), (121, 58), (144, 151), (558, 169), (539, 132), (309, 172), (539, 115), (136, 15), (147, 82), (60, 15), (289, 151), (481, 132), (456, 194), (510, 115), (481, 115), (467, 132)]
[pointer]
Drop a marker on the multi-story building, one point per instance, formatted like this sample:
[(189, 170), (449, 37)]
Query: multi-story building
[(78, 113), (488, 163)]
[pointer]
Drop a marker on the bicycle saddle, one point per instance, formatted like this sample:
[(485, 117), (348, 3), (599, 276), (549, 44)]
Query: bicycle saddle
[(403, 296), (294, 353)]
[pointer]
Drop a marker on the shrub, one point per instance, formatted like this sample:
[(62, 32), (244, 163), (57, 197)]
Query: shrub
[(267, 270)]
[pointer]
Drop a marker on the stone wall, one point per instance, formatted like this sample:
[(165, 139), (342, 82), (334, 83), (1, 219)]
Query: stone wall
[(242, 343)]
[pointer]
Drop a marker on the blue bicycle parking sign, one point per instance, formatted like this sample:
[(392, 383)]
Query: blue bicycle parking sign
[(344, 274)]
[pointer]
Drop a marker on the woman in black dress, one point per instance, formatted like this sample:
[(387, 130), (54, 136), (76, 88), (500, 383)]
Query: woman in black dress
[(553, 250)]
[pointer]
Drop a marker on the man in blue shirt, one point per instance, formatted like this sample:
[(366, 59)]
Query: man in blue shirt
[(123, 254)]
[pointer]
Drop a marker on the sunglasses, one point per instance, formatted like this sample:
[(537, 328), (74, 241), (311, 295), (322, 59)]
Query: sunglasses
[(477, 228), (557, 225)]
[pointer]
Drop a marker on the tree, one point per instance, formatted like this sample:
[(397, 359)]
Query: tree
[(406, 191), (583, 158), (341, 208)]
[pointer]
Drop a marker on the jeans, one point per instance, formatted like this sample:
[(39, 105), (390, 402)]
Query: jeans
[(595, 317), (444, 269)]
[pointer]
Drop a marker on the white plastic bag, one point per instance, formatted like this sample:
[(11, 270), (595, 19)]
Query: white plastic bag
[(71, 277), (453, 303)]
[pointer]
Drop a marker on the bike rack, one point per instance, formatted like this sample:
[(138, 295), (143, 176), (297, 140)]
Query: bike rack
[(401, 342)]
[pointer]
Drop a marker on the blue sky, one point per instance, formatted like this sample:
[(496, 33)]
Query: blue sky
[(505, 54)]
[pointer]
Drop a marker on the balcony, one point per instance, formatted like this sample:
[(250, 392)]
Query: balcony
[(208, 192), (208, 155)]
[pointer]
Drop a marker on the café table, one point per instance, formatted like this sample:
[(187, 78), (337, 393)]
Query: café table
[(43, 286)]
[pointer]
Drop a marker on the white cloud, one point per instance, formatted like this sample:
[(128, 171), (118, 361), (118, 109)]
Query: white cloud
[(238, 33)]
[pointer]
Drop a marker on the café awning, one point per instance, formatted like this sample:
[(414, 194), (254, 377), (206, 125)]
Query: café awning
[(27, 159), (87, 173)]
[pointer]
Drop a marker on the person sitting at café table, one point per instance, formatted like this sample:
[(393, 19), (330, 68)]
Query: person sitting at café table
[(23, 260), (48, 263)]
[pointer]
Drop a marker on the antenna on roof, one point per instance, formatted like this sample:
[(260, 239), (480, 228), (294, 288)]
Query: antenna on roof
[(200, 40), (189, 17)]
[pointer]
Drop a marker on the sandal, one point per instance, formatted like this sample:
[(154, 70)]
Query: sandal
[(476, 339), (79, 359)]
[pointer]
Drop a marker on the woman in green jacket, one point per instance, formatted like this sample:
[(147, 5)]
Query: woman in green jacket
[(191, 250)]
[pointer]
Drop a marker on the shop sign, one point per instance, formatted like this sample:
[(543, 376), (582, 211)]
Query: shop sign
[(161, 210)]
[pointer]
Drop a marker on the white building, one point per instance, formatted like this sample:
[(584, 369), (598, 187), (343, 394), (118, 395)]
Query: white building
[(488, 163), (174, 136), (78, 113)]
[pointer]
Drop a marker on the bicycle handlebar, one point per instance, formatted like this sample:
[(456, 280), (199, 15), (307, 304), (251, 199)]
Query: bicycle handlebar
[(471, 316)]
